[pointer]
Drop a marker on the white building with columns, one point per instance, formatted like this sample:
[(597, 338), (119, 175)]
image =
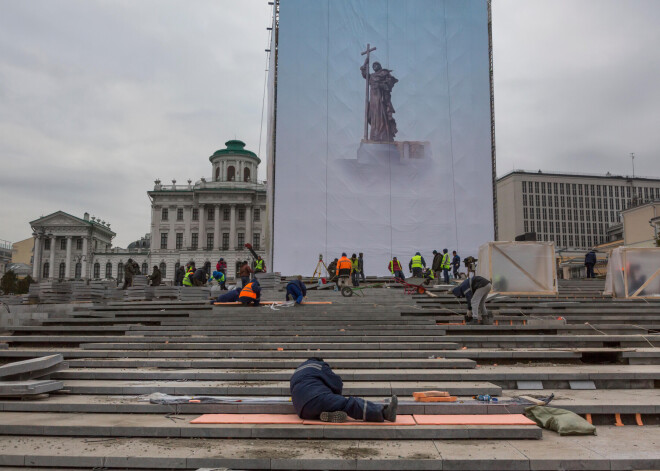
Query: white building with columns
[(64, 245), (212, 218)]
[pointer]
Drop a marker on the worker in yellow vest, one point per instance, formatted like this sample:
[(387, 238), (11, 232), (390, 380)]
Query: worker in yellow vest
[(259, 265), (417, 265), (188, 277), (355, 270), (445, 265)]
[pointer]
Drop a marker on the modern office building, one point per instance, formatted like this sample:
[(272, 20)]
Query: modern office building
[(573, 210)]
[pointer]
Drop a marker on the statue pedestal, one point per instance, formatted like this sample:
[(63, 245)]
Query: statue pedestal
[(401, 152)]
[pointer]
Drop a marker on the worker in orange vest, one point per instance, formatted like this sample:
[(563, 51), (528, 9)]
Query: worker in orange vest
[(344, 266), (251, 293)]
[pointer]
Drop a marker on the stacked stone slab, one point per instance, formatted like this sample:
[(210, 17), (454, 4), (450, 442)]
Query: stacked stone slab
[(81, 291), (194, 293), (54, 292), (166, 292), (270, 280)]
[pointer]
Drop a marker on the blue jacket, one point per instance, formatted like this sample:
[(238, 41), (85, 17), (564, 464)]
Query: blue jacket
[(456, 262), (590, 258), (229, 297), (219, 276), (469, 285), (311, 379), (300, 285)]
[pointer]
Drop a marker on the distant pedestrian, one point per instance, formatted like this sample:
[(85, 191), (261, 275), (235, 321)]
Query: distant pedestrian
[(129, 271), (590, 263), (361, 266), (156, 276), (456, 263), (178, 276)]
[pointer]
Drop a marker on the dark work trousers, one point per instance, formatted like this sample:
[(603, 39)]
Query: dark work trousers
[(590, 270), (295, 293), (445, 274), (128, 282), (247, 301), (417, 272), (456, 273), (356, 278), (245, 280), (356, 408), (399, 274)]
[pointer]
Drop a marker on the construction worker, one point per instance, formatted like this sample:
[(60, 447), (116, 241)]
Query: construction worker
[(396, 270), (445, 265), (332, 270), (456, 264), (355, 270), (188, 277), (259, 265), (219, 277), (361, 266), (244, 273), (475, 291), (296, 289), (228, 297), (590, 263), (316, 394), (251, 293), (416, 265), (200, 277)]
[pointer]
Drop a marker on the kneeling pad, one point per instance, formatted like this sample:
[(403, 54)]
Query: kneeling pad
[(473, 419), (247, 419)]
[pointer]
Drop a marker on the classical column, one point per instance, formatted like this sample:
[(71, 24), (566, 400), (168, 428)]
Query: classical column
[(36, 262), (51, 263), (84, 261), (232, 228), (216, 228), (248, 223), (201, 238), (67, 261)]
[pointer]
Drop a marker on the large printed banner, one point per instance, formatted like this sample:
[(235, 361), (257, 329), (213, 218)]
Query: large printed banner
[(381, 118)]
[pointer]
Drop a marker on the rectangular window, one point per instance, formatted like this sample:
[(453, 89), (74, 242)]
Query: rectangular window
[(241, 214), (538, 226), (256, 241), (524, 201), (543, 187), (543, 201), (209, 240), (570, 241), (524, 186), (616, 191), (581, 203), (225, 214), (210, 214), (241, 239), (545, 226), (63, 243), (555, 186), (570, 227), (563, 228), (538, 200), (179, 214), (561, 188), (194, 240), (78, 244), (545, 213), (225, 241), (47, 245), (179, 240), (538, 213), (563, 213), (618, 207), (163, 240), (257, 214), (525, 213), (526, 227), (536, 187), (195, 214), (563, 238), (164, 214), (580, 190)]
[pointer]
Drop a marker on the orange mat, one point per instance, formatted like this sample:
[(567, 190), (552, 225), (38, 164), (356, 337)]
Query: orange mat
[(272, 302), (430, 394), (247, 419), (474, 419), (436, 399), (400, 420)]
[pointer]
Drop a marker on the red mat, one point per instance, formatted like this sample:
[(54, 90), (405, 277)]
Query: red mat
[(473, 419), (247, 419), (400, 420)]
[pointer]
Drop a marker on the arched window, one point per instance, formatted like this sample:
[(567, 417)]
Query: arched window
[(163, 269), (217, 174), (62, 270), (246, 174), (145, 268), (97, 271), (46, 271), (78, 271), (231, 173), (108, 270), (120, 272)]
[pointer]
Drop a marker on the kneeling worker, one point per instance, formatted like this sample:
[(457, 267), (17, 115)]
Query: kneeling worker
[(296, 289), (251, 293), (475, 291), (316, 394), (229, 297)]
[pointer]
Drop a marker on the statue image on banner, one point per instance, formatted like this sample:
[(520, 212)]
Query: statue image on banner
[(379, 125)]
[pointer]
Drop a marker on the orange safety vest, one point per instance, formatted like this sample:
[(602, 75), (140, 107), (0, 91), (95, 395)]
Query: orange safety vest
[(247, 292), (344, 263)]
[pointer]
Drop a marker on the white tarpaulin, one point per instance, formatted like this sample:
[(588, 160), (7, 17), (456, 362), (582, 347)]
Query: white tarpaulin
[(633, 272), (519, 267), (331, 189)]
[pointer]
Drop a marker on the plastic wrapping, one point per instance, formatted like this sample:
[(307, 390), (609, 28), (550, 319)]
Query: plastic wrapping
[(633, 272), (519, 267)]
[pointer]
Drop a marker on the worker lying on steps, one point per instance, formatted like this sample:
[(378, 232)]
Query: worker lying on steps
[(296, 289), (475, 291), (316, 394), (251, 293), (230, 296)]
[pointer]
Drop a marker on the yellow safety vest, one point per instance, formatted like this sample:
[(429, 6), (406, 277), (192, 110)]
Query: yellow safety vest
[(259, 264), (186, 279), (445, 262), (417, 261), (356, 264)]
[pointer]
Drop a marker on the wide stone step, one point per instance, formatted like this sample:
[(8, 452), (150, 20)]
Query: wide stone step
[(272, 388), (312, 347), (149, 425), (610, 449)]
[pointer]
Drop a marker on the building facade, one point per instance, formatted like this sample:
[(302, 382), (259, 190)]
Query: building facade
[(211, 219), (64, 245), (574, 211), (5, 255), (641, 225)]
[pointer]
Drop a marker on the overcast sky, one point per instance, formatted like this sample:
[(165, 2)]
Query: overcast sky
[(99, 98)]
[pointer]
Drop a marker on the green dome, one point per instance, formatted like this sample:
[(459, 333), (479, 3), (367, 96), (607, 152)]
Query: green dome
[(234, 147)]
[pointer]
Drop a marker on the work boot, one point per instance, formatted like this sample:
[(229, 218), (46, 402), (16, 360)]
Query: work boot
[(468, 318), (487, 320), (474, 321), (389, 411), (335, 417)]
